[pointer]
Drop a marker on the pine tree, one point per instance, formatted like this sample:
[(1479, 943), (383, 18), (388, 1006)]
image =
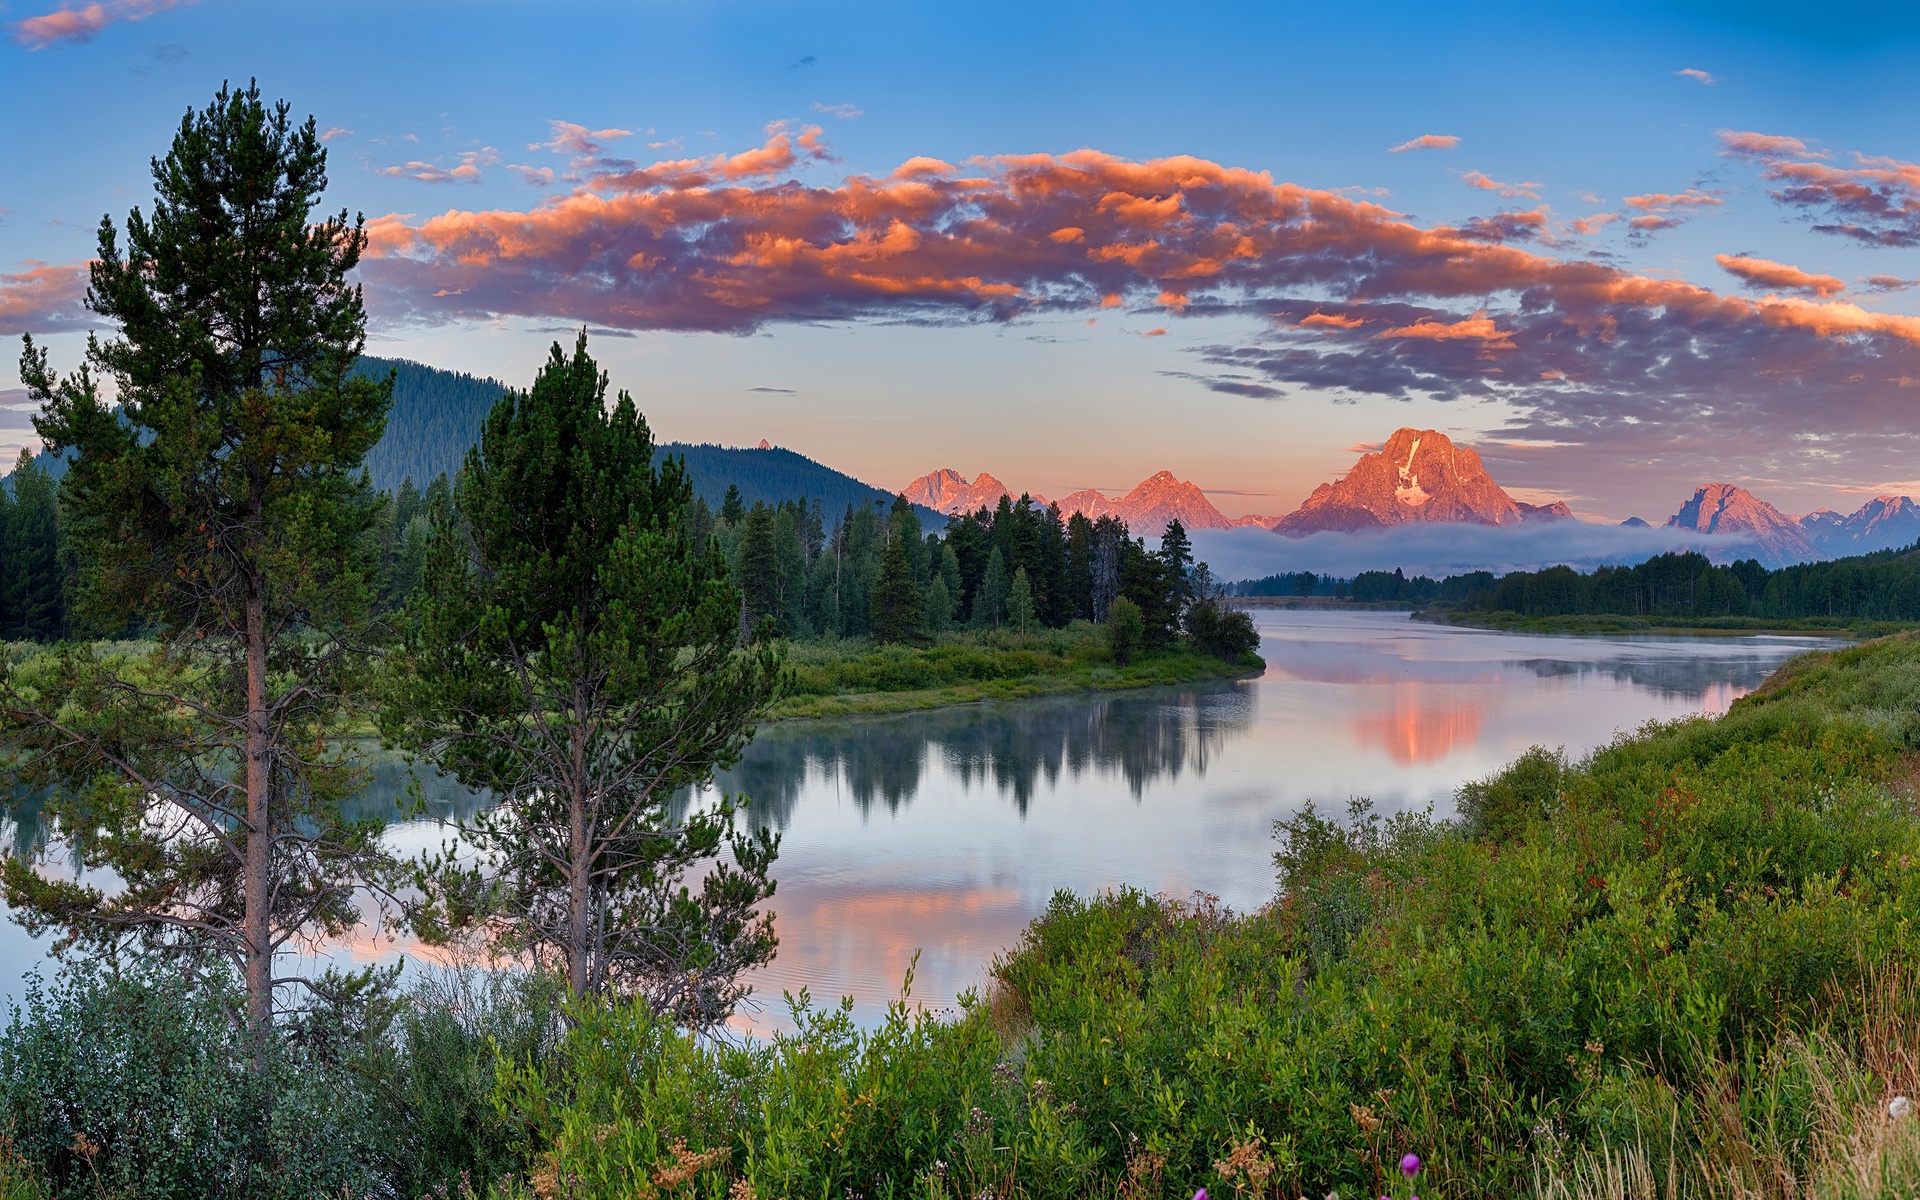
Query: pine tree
[(990, 599), (759, 571), (896, 593), (939, 611), (220, 508), (732, 511), (1020, 601), (34, 594), (573, 652)]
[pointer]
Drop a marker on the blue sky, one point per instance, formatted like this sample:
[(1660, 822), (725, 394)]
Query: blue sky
[(1573, 111)]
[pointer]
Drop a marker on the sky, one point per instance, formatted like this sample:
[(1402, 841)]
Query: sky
[(1622, 250)]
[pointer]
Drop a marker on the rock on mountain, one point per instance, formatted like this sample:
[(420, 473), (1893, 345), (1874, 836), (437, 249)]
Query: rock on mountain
[(948, 491), (1883, 523), (1721, 508), (1557, 511), (1419, 475)]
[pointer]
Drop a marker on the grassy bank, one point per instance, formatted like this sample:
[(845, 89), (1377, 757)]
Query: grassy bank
[(1512, 622), (1683, 966), (841, 677)]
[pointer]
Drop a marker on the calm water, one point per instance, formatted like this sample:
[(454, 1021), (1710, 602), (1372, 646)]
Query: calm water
[(946, 832)]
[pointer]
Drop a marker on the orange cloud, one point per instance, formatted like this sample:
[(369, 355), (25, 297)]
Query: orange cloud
[(43, 297), (1476, 179), (1696, 73), (1426, 141), (1663, 201), (1594, 223), (1157, 331), (468, 171), (1477, 328), (1876, 201), (1321, 320), (569, 138), (82, 24), (725, 244), (1769, 144), (1761, 272)]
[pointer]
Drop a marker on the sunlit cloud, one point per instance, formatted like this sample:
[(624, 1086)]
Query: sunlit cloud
[(335, 133), (1697, 75), (468, 170), (1875, 201), (1765, 273), (1477, 179), (83, 24), (44, 298), (1426, 141)]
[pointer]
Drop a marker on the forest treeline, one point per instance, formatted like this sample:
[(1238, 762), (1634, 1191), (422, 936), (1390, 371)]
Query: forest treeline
[(1883, 586), (874, 572)]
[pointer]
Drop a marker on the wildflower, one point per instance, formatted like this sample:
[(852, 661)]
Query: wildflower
[(1200, 1195), (1899, 1107), (1410, 1165)]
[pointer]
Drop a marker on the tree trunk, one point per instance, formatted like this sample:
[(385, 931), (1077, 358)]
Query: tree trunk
[(579, 919), (259, 937)]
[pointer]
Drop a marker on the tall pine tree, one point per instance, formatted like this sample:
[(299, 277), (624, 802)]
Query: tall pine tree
[(572, 650), (220, 508)]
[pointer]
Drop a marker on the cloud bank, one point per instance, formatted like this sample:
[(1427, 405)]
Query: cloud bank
[(1439, 550), (44, 298), (1875, 201)]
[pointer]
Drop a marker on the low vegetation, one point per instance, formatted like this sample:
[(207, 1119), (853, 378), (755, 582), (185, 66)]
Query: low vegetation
[(837, 677), (1506, 621)]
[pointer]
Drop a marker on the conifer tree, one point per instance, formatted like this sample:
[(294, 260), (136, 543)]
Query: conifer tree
[(759, 570), (990, 598), (572, 651), (896, 593), (939, 610), (1020, 601), (732, 511), (34, 594), (220, 509)]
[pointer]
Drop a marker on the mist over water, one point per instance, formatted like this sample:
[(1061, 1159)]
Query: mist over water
[(945, 833)]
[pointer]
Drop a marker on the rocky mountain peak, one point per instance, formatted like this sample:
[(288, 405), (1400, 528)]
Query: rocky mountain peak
[(1416, 475)]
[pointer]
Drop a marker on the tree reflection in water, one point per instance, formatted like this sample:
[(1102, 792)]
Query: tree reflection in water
[(1140, 736)]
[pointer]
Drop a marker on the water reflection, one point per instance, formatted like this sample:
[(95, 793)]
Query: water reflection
[(1421, 725), (1017, 750)]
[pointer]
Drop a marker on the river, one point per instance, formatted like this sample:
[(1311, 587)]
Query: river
[(945, 833)]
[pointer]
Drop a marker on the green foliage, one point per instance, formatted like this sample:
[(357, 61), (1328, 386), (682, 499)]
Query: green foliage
[(573, 652), (141, 1084), (1126, 630), (990, 598), (1504, 805), (435, 417)]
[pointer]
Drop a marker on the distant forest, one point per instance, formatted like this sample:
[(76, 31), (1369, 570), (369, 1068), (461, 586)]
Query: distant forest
[(1883, 586)]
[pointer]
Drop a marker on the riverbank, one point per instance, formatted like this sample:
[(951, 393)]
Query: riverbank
[(847, 677), (1606, 623)]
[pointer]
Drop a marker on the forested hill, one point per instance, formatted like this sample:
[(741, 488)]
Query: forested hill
[(773, 475), (436, 416)]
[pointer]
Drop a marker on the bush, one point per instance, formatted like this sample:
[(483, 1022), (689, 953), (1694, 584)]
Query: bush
[(139, 1083), (1126, 630), (1500, 807)]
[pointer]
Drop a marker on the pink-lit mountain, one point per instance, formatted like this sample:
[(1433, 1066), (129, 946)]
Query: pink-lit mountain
[(1882, 523), (1723, 509), (1418, 475), (1146, 509)]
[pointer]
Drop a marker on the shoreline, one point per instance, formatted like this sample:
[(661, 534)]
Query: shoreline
[(1158, 670), (1601, 625)]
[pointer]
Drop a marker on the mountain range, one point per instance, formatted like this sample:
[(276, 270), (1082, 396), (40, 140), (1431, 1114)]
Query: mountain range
[(1422, 476), (1146, 509)]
